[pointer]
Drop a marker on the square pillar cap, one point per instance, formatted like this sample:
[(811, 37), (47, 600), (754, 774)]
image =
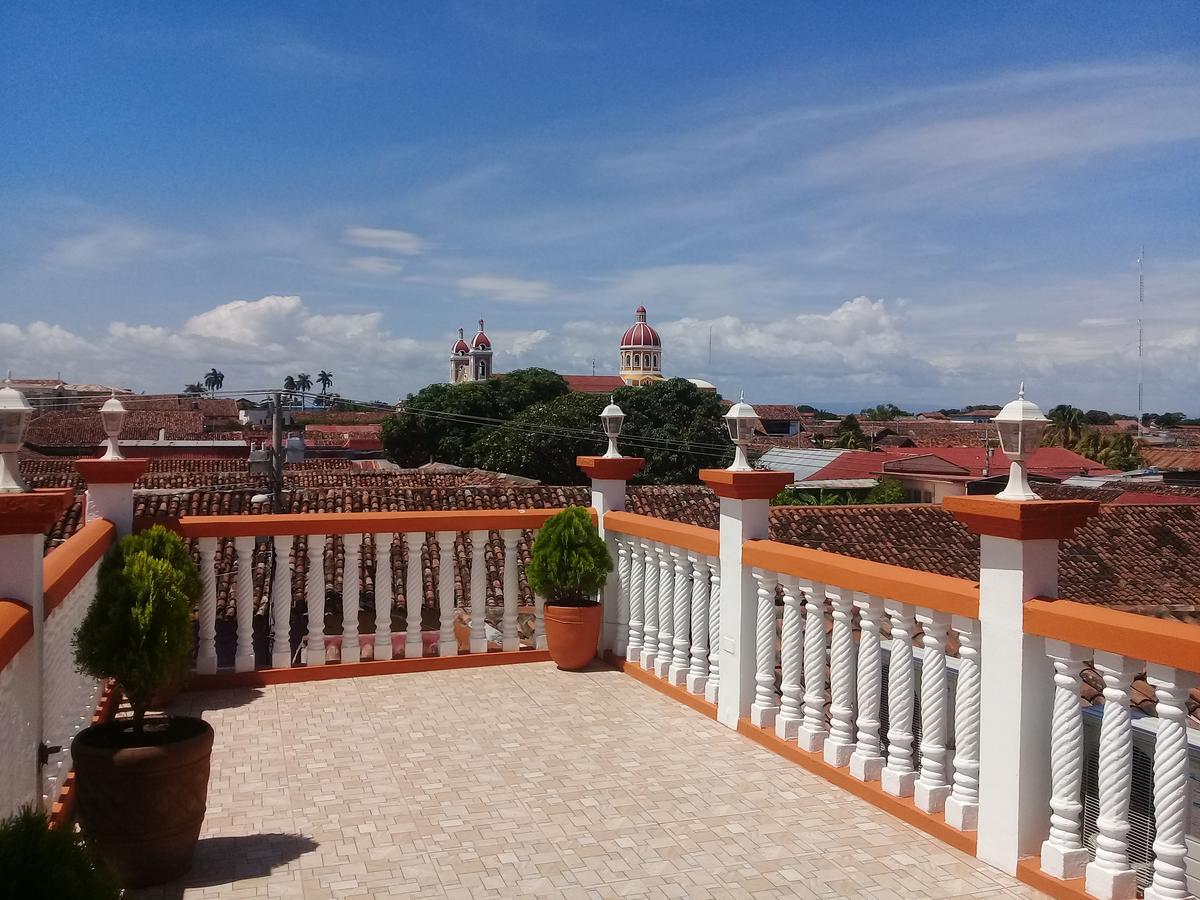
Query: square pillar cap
[(1021, 520), (33, 512), (111, 471), (611, 468), (759, 484)]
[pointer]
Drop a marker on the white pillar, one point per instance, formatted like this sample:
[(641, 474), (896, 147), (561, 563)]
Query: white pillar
[(314, 592), (813, 729), (206, 650), (698, 672), (478, 591), (681, 646), (382, 648), (712, 688), (791, 652), (243, 660), (414, 596), (1063, 853), (899, 776), (621, 632), (510, 641), (351, 545), (1172, 782), (866, 763), (609, 476), (666, 610), (765, 707), (447, 644), (962, 806), (840, 743), (637, 622), (933, 785), (650, 606), (281, 604), (110, 490)]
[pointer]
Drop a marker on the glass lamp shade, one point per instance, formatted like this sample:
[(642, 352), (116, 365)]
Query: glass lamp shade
[(612, 418), (15, 413), (1020, 426), (112, 416), (741, 420)]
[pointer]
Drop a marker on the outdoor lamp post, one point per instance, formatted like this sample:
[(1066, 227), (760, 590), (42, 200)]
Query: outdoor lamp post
[(1021, 425), (741, 420), (112, 415), (15, 412), (612, 418)]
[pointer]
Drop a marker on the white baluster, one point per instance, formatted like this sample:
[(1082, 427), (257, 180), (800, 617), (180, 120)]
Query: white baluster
[(764, 709), (812, 731), (314, 593), (666, 610), (508, 623), (1063, 853), (621, 638), (899, 776), (478, 591), (281, 605), (839, 745), (791, 652), (206, 650), (414, 596), (382, 648), (682, 606), (713, 687), (637, 601), (933, 785), (866, 763), (1172, 788), (650, 632), (243, 660), (962, 806), (539, 618), (698, 672), (447, 645), (351, 544), (1109, 876)]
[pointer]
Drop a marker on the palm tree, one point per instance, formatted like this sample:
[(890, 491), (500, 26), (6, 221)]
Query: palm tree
[(289, 385), (1067, 425), (194, 388), (325, 380), (213, 379), (304, 383)]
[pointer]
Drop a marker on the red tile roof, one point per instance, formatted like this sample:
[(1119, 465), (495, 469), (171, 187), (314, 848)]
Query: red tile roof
[(1185, 459), (1055, 462), (594, 384)]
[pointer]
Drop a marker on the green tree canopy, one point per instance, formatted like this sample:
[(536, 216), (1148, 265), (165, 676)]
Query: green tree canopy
[(1067, 426), (884, 412)]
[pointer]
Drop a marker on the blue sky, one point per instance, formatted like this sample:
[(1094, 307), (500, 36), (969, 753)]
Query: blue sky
[(917, 203)]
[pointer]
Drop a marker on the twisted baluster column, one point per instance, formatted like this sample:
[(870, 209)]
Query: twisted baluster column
[(866, 763), (510, 640), (697, 676), (414, 595), (933, 786), (382, 648), (1172, 787), (206, 650), (351, 651), (1109, 875), (811, 735), (787, 723), (479, 541), (713, 686), (681, 636), (1063, 853), (637, 600), (899, 776), (764, 709), (539, 614), (839, 745), (962, 806), (666, 611), (447, 644), (281, 605), (243, 660), (650, 632), (621, 637), (314, 594)]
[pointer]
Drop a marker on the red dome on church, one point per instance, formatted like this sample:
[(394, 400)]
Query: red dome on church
[(639, 334), (481, 341), (460, 347)]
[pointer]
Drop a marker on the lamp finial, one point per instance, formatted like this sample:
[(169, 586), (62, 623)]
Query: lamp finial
[(1021, 391)]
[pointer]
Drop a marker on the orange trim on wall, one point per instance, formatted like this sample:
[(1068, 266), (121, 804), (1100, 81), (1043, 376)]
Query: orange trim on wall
[(111, 471), (33, 512), (759, 484), (16, 628), (1162, 641), (362, 523), (1021, 520), (956, 596), (608, 468), (62, 810), (1029, 870), (677, 534), (65, 565)]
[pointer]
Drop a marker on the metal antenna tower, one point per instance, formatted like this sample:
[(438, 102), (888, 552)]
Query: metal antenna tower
[(1141, 310)]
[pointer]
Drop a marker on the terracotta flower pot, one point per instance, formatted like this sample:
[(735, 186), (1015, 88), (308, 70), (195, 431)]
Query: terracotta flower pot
[(142, 806), (572, 634)]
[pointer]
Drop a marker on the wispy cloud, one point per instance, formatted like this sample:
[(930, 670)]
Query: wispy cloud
[(392, 239), (504, 287), (113, 244), (374, 265)]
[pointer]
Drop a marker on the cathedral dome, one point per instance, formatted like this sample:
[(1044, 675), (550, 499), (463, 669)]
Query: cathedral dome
[(481, 341), (639, 334), (460, 347)]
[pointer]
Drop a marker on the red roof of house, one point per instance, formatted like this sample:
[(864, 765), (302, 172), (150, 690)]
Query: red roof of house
[(1054, 462), (1146, 498), (594, 384)]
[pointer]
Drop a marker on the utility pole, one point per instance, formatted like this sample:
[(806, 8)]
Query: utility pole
[(277, 453)]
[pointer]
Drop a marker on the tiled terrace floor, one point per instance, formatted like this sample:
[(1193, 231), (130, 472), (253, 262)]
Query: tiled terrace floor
[(526, 781)]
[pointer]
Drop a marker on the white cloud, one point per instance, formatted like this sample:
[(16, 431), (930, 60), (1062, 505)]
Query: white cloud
[(113, 244), (374, 265), (391, 239), (503, 287)]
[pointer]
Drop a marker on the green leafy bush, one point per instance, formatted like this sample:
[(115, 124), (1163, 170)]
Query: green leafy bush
[(139, 628), (569, 560), (40, 864)]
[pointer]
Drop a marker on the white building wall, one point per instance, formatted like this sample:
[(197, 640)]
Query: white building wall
[(18, 730)]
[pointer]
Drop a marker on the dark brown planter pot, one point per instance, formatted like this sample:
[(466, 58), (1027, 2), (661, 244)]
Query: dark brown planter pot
[(572, 634), (142, 806)]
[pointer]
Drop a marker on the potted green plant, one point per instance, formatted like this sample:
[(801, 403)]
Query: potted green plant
[(569, 565), (41, 864), (142, 784)]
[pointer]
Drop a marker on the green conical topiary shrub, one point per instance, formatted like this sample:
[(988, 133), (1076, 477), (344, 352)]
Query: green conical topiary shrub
[(569, 561), (40, 864)]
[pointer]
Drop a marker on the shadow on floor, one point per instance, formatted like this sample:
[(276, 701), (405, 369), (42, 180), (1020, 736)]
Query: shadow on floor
[(229, 859), (196, 703)]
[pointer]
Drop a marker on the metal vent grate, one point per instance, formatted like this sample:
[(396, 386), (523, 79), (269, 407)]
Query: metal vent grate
[(1141, 803)]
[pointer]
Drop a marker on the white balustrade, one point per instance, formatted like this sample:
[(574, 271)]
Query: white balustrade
[(447, 644), (382, 648), (1172, 781), (899, 777), (281, 604), (637, 600), (666, 610), (713, 686), (243, 660), (791, 652), (651, 594), (621, 638), (812, 731), (479, 541), (962, 806), (510, 641), (681, 635), (351, 547), (314, 592), (206, 650), (839, 745), (697, 676), (1109, 876), (764, 709), (1063, 853), (933, 784), (866, 763), (414, 596)]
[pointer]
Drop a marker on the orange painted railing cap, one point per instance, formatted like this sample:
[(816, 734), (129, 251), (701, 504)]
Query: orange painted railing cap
[(1162, 641), (33, 512), (1021, 520), (677, 534), (759, 484), (16, 629), (111, 471), (602, 468), (65, 565)]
